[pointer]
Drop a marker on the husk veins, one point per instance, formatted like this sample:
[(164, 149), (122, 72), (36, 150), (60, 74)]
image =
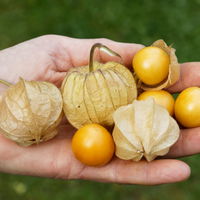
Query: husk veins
[(30, 112), (143, 128)]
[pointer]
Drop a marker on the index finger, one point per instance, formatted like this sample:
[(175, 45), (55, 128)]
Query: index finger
[(79, 49), (190, 76)]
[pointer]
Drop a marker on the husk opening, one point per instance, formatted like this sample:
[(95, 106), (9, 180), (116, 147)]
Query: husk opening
[(174, 69)]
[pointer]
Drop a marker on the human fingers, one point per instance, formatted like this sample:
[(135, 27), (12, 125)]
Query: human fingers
[(55, 159), (78, 51), (143, 172), (47, 159), (190, 76), (187, 144)]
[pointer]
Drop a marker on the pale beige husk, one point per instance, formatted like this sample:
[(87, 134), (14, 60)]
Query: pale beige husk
[(174, 69), (143, 128), (30, 112), (92, 97)]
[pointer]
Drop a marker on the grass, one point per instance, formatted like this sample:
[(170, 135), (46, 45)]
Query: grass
[(139, 21)]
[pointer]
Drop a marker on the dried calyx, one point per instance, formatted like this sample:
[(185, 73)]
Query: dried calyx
[(174, 69), (30, 112), (92, 93), (143, 128)]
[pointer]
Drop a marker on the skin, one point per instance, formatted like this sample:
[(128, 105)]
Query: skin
[(48, 58), (93, 145), (161, 97), (187, 104), (151, 64)]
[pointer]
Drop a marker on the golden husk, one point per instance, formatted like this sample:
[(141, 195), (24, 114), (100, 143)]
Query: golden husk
[(143, 128), (30, 112), (92, 97), (174, 69)]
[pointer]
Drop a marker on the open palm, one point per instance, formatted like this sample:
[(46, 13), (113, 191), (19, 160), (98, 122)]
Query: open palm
[(47, 58)]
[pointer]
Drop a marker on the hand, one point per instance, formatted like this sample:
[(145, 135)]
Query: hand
[(48, 58), (188, 143)]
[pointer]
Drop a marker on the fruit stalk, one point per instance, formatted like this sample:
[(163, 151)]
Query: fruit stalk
[(101, 47), (5, 83)]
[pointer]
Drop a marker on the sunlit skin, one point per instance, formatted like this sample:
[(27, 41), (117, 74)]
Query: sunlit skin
[(161, 97), (187, 107), (93, 145), (151, 64)]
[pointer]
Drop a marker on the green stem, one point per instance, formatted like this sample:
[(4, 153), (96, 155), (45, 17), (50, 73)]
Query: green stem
[(101, 47), (5, 83)]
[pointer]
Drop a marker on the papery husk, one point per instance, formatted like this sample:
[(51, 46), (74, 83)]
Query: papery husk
[(174, 69), (30, 112), (143, 128), (92, 97)]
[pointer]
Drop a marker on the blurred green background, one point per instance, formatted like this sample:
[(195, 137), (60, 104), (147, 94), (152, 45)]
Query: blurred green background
[(139, 21)]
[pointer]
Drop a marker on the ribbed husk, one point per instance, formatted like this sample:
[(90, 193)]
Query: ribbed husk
[(174, 69), (30, 112), (143, 128), (92, 97)]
